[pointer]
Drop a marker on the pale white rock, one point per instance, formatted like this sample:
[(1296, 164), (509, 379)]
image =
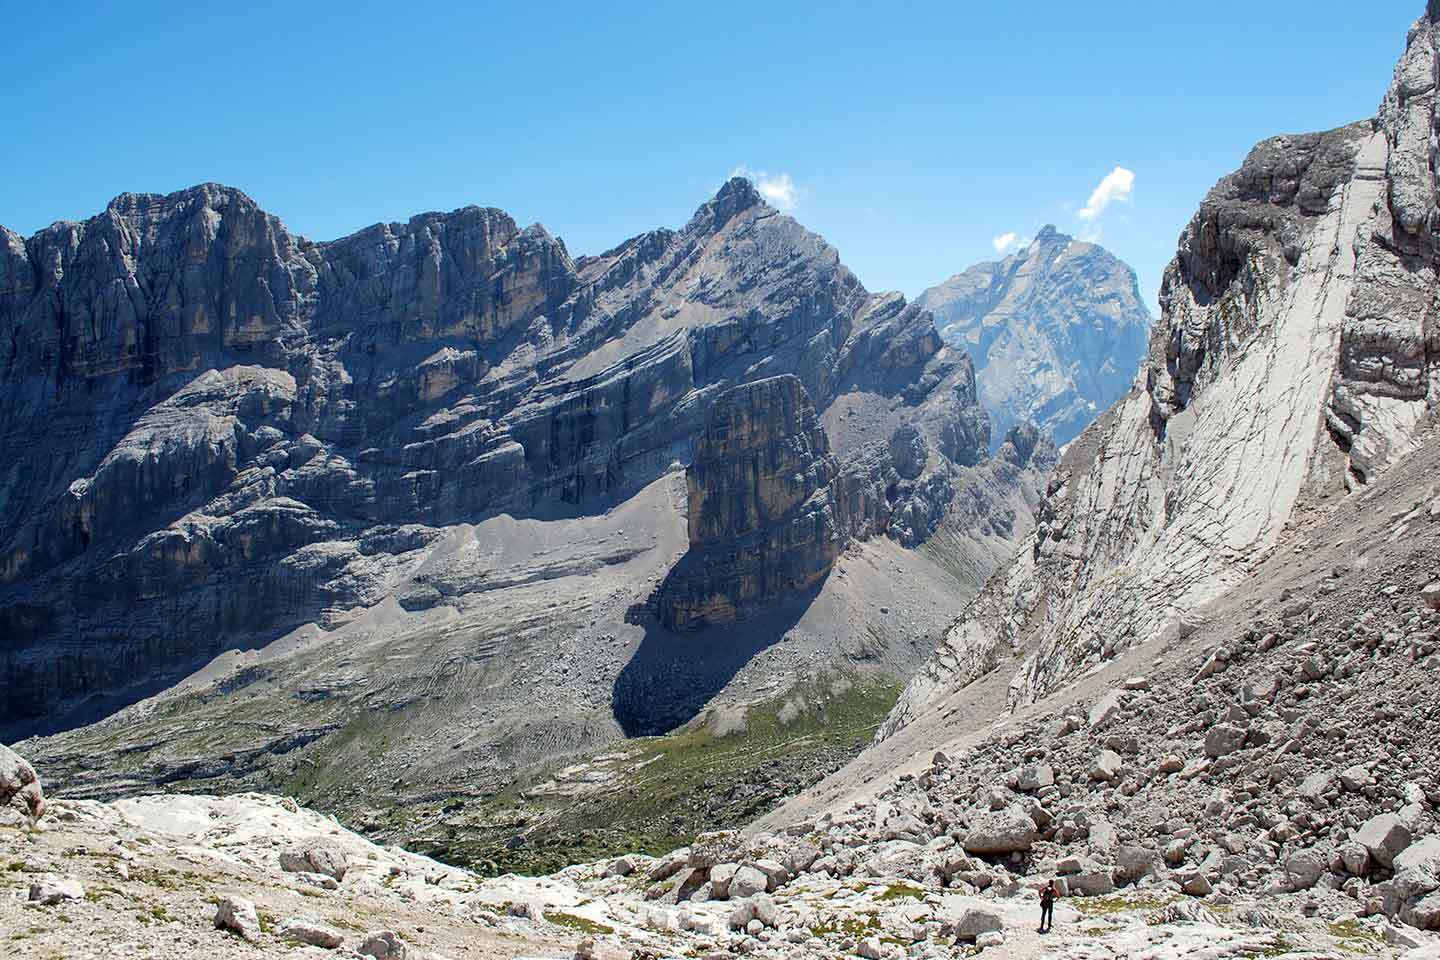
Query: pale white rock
[(1386, 837), (383, 945), (311, 931), (238, 916), (53, 890)]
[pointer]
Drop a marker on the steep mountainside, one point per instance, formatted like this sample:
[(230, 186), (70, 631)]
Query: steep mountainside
[(1056, 332), (1297, 358), (440, 497)]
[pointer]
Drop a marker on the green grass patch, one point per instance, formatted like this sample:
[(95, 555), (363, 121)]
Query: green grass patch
[(572, 922), (1105, 906), (1355, 937), (670, 788), (853, 927), (901, 891)]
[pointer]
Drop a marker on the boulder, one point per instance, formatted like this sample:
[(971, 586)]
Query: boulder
[(312, 932), (238, 916), (1107, 766), (1195, 883), (1107, 708), (999, 831), (316, 856), (1303, 869), (973, 921), (1132, 862), (670, 864), (18, 780), (765, 910), (1035, 776), (1091, 883), (1385, 836), (1224, 739), (383, 945), (775, 873), (51, 891), (747, 882), (717, 846), (1431, 595), (1169, 764), (720, 876), (620, 867)]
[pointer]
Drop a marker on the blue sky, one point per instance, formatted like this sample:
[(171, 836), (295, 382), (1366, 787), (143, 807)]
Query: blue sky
[(910, 135)]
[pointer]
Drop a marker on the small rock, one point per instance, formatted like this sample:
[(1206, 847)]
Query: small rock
[(991, 938), (49, 892), (313, 932), (238, 916), (620, 867), (1107, 766), (1431, 595), (383, 945), (1223, 740)]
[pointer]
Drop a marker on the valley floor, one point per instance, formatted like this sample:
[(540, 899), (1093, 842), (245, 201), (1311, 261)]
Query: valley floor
[(146, 876)]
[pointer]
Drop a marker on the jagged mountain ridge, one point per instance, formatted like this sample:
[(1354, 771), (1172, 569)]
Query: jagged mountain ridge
[(395, 484), (1296, 359), (1056, 331)]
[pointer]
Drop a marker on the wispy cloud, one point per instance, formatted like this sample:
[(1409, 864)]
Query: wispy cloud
[(1117, 185), (1009, 242), (778, 189)]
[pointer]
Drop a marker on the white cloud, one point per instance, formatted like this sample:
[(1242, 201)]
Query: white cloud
[(778, 189), (1117, 185), (1005, 242)]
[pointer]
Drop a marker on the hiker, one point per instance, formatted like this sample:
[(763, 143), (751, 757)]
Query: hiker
[(1047, 907)]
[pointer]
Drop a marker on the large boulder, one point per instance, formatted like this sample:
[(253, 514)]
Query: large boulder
[(18, 780), (316, 856), (1385, 836), (747, 882), (1091, 883), (999, 832), (1303, 869), (1132, 862), (1035, 776), (966, 918)]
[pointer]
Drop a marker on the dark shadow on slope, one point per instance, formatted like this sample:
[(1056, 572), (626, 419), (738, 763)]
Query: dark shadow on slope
[(674, 675)]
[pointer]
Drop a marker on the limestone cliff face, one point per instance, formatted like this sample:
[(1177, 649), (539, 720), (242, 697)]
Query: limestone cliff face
[(1297, 356), (215, 432), (1056, 332), (764, 516)]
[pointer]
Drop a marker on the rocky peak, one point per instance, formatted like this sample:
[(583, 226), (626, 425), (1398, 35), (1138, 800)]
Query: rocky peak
[(1056, 331), (737, 195)]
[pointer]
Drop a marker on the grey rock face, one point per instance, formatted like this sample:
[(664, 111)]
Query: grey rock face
[(216, 431), (1056, 332), (763, 517)]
